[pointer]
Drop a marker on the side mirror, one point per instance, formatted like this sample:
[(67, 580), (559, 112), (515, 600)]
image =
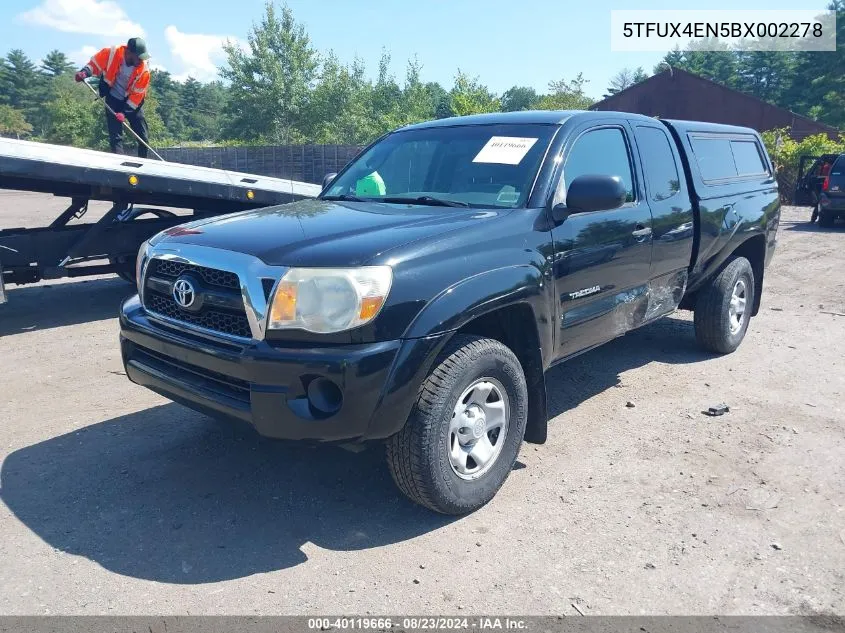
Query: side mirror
[(595, 193), (328, 178)]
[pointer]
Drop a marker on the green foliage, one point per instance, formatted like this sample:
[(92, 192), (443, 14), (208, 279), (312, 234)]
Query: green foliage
[(519, 98), (624, 79), (13, 122), (279, 89), (566, 95), (56, 63), (75, 118), (25, 87), (786, 154), (170, 103), (469, 96), (809, 83), (272, 80)]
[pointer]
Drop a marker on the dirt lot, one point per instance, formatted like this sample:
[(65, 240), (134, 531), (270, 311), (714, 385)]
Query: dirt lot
[(116, 501)]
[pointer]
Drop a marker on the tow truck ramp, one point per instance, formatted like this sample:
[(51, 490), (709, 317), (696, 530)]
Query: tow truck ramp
[(143, 193)]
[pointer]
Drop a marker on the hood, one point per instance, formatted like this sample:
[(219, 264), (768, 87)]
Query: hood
[(325, 233)]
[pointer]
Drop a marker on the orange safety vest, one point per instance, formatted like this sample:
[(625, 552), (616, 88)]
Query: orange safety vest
[(107, 63)]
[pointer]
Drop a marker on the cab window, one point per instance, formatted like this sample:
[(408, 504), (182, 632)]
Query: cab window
[(600, 152)]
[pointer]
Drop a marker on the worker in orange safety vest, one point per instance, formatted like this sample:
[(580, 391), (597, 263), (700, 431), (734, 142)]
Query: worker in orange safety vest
[(124, 78)]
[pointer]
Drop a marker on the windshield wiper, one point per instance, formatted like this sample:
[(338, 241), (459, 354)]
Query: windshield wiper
[(427, 200), (344, 196)]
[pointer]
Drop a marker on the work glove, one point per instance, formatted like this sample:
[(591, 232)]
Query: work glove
[(120, 117), (81, 76)]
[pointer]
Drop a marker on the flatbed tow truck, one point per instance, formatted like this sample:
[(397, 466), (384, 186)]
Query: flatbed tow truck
[(143, 193)]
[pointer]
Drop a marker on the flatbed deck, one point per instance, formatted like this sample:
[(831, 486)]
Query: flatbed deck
[(143, 193)]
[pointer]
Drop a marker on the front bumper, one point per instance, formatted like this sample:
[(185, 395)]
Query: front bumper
[(376, 384)]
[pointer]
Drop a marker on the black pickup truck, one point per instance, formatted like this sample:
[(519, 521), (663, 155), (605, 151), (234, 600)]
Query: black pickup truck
[(422, 297)]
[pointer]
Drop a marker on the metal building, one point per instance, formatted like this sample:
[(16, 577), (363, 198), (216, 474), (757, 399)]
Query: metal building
[(678, 94)]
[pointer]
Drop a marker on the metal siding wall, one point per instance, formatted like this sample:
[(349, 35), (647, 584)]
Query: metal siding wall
[(306, 163), (691, 98)]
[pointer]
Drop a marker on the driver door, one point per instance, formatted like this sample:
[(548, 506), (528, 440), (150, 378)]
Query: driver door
[(602, 258)]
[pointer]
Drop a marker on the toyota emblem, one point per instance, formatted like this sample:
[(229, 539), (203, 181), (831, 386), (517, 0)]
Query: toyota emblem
[(184, 293)]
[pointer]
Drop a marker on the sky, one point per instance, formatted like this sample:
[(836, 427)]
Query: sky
[(502, 42)]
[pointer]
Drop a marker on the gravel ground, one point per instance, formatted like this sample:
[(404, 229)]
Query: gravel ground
[(118, 502)]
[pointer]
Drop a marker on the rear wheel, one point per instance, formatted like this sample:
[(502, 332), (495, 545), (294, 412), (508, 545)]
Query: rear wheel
[(826, 219), (462, 438), (723, 307)]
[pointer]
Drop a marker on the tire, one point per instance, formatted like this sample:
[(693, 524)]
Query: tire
[(717, 328), (826, 219), (422, 457), (127, 272), (815, 214), (125, 275)]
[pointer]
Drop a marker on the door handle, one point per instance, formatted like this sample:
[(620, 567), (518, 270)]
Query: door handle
[(641, 232)]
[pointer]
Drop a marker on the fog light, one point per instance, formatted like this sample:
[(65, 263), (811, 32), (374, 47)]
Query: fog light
[(324, 395), (133, 180), (250, 194)]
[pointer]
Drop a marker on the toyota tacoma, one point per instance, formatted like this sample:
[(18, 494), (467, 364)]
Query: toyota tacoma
[(422, 297)]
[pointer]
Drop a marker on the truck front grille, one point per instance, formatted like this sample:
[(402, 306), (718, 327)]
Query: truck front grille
[(211, 276), (229, 318)]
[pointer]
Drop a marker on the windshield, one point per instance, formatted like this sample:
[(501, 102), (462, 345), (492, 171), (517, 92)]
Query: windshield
[(469, 165)]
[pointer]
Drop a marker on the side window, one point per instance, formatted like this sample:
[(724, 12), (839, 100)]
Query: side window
[(724, 158), (715, 158), (747, 158), (600, 152), (661, 171)]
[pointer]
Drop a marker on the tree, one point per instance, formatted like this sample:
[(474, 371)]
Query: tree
[(13, 122), (624, 79), (272, 80), (22, 80), (26, 88), (672, 59), (419, 100), (764, 74), (74, 119), (519, 98), (56, 63), (566, 95), (718, 65), (386, 97), (817, 88), (468, 96), (340, 108), (169, 96), (5, 82)]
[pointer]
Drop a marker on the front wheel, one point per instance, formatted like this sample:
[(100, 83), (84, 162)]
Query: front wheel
[(462, 438), (723, 307)]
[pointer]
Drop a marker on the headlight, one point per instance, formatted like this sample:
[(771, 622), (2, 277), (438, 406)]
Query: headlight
[(143, 253), (325, 300)]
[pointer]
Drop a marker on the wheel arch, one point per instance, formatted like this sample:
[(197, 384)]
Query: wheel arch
[(754, 250), (515, 326)]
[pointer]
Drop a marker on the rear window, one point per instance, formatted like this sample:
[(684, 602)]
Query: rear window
[(722, 158)]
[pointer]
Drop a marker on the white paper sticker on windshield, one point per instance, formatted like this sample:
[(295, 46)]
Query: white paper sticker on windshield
[(504, 150)]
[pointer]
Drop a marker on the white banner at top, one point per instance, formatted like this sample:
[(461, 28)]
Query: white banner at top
[(711, 30)]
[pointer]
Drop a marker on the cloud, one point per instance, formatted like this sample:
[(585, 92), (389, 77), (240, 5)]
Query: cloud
[(196, 55), (94, 17), (83, 55)]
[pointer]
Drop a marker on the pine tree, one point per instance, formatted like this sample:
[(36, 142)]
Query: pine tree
[(57, 63)]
